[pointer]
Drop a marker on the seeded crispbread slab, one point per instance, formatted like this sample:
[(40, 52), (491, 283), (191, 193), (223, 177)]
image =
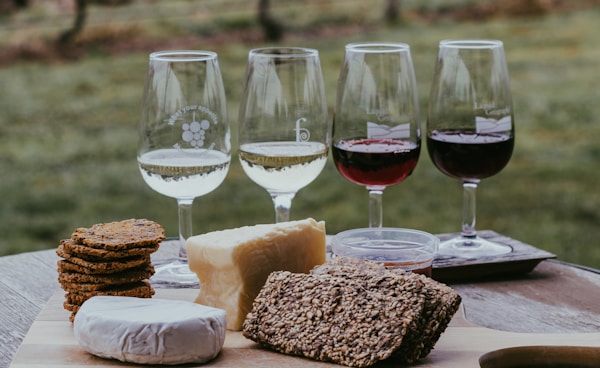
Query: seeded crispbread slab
[(76, 264), (120, 235), (441, 302), (330, 318), (124, 277), (433, 304), (376, 275), (69, 246)]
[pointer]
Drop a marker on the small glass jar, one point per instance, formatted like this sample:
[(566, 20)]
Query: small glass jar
[(411, 250)]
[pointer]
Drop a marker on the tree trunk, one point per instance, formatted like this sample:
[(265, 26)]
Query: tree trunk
[(68, 36), (272, 29), (392, 11), (21, 3)]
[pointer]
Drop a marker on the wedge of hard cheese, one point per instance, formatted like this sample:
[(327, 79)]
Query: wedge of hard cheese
[(234, 264)]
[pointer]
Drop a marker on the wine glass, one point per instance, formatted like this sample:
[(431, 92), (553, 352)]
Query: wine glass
[(376, 125), (284, 133), (184, 146), (470, 128)]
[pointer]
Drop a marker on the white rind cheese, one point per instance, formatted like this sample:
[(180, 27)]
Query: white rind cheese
[(150, 331), (233, 265)]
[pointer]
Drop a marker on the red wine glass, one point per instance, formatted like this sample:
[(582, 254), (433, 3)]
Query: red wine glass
[(470, 129), (376, 125)]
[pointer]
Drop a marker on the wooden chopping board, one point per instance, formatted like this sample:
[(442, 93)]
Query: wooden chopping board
[(50, 343)]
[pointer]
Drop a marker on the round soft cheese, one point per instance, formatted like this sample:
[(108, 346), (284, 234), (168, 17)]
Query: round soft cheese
[(150, 331)]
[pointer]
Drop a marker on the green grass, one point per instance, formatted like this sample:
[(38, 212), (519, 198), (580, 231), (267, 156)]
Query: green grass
[(68, 132)]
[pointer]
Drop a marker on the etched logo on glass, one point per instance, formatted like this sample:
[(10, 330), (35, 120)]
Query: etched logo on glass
[(491, 118), (302, 134), (381, 131), (195, 121)]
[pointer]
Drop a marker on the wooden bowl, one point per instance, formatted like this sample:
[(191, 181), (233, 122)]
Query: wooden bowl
[(542, 357)]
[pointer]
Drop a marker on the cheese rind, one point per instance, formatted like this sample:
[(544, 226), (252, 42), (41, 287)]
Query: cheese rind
[(233, 265), (150, 331)]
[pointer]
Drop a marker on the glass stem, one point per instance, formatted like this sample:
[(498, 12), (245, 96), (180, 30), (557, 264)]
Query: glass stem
[(283, 203), (375, 206), (185, 224), (469, 208)]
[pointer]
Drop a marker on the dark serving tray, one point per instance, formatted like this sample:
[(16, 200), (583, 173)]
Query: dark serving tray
[(522, 259)]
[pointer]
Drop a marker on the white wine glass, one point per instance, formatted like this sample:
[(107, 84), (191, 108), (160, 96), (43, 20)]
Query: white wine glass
[(284, 132), (184, 148), (470, 129), (376, 127)]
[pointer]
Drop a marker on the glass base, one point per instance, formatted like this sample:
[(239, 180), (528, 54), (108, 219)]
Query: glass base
[(174, 273), (463, 247)]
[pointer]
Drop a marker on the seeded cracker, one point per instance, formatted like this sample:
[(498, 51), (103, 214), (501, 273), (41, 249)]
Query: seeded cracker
[(441, 302), (73, 279), (141, 289), (120, 235), (74, 299), (374, 275), (351, 312), (70, 247), (331, 318), (441, 305), (106, 266)]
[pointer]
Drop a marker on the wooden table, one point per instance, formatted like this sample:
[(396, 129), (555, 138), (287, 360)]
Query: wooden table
[(554, 298)]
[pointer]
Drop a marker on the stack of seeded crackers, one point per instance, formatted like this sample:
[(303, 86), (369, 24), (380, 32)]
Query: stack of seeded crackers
[(108, 259)]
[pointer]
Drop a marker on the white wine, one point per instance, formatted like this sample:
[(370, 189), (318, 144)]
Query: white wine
[(184, 173), (283, 166)]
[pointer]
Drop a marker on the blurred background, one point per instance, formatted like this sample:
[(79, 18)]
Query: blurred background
[(71, 78)]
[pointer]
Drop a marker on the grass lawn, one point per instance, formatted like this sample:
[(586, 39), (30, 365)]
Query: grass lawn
[(68, 128)]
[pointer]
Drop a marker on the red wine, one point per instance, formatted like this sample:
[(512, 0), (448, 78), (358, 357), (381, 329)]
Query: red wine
[(375, 162), (465, 154)]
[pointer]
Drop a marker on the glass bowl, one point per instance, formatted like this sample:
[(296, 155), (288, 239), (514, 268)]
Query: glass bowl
[(411, 250)]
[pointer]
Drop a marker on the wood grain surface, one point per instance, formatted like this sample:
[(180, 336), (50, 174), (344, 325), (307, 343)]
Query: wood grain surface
[(522, 259), (50, 343), (555, 297)]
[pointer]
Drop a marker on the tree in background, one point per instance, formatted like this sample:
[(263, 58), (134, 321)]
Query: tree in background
[(272, 29), (8, 6), (81, 8), (392, 11), (68, 36)]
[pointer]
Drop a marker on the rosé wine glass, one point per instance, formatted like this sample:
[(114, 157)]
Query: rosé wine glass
[(376, 125)]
